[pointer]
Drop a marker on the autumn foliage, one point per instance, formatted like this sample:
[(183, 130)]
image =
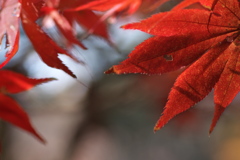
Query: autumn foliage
[(203, 42), (201, 36)]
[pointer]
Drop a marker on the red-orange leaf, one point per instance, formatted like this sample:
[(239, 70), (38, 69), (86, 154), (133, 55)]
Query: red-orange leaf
[(209, 46)]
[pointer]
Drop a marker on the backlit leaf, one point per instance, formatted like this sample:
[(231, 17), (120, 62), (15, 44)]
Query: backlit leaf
[(205, 40)]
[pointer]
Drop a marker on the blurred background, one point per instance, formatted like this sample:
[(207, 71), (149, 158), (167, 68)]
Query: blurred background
[(111, 117)]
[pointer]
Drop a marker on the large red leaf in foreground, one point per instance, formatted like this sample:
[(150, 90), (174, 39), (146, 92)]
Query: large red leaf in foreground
[(209, 46), (10, 83)]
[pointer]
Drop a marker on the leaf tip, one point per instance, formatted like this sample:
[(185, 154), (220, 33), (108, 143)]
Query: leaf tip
[(37, 135), (43, 80), (218, 112), (40, 138), (155, 129), (158, 125), (73, 75), (109, 71), (128, 26), (51, 79)]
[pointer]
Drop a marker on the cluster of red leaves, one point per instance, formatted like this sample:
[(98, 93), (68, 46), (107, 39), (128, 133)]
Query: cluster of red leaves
[(12, 83), (204, 39), (201, 35), (64, 14)]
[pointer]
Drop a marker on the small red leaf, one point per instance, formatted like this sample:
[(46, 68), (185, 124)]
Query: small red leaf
[(46, 48), (12, 82), (10, 111)]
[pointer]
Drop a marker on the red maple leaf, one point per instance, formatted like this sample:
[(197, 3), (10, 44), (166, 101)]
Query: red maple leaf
[(209, 47), (12, 83)]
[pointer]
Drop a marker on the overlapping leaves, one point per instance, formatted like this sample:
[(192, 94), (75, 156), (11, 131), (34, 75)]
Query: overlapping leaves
[(64, 15), (12, 83), (205, 40)]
